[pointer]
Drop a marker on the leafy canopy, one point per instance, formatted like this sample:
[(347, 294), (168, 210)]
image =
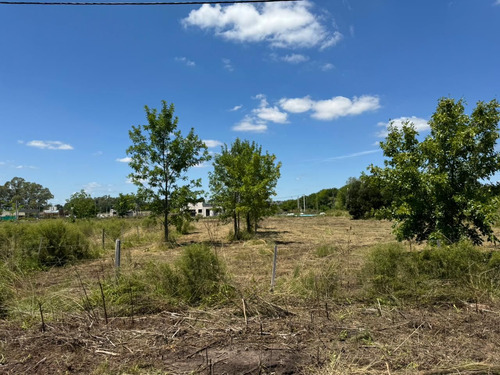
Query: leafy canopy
[(160, 158), (23, 194), (243, 182), (81, 205), (440, 187)]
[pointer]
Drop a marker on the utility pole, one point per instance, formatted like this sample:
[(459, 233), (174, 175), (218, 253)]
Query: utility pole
[(304, 201)]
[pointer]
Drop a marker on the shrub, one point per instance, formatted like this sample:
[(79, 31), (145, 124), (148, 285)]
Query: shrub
[(325, 250), (318, 283), (455, 262), (202, 275), (388, 268), (182, 222), (45, 243), (5, 290), (149, 222), (61, 243), (196, 277), (452, 273)]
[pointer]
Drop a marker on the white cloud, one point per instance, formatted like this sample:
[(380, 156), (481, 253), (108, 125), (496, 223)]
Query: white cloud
[(210, 143), (283, 25), (331, 109), (236, 108), (297, 105), (419, 123), (295, 58), (186, 61), (266, 113), (98, 153), (249, 124), (354, 155), (126, 159), (228, 65), (328, 66), (91, 187), (25, 167), (341, 106), (50, 145), (272, 114)]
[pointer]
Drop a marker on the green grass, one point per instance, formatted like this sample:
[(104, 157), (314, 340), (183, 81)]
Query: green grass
[(460, 272), (197, 277)]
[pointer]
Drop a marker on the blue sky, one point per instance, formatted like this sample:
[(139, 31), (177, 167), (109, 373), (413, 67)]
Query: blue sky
[(313, 82)]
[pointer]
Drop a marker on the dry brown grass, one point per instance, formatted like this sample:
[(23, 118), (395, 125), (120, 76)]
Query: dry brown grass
[(288, 331)]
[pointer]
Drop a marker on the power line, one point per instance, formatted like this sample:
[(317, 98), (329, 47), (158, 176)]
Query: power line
[(142, 3)]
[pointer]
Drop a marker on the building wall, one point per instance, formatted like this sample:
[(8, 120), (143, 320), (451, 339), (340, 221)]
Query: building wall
[(201, 209)]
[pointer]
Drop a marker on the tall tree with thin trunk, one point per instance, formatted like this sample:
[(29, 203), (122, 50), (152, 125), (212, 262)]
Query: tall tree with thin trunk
[(242, 184), (160, 157)]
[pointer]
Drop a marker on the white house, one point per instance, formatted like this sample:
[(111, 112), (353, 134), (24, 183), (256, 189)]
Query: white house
[(201, 209)]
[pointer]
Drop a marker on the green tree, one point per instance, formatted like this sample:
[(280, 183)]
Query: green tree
[(105, 203), (364, 197), (440, 186), (242, 184), (161, 156), (18, 193), (124, 203), (81, 205)]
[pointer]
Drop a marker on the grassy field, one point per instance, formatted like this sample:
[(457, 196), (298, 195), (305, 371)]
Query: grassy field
[(330, 312)]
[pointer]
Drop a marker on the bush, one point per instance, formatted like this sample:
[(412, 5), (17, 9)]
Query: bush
[(182, 222), (44, 243), (149, 222), (325, 250), (201, 275), (197, 277), (5, 290), (60, 243), (388, 268), (318, 283), (452, 273)]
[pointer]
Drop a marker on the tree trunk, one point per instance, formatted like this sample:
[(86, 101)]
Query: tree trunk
[(235, 222), (249, 223), (165, 226)]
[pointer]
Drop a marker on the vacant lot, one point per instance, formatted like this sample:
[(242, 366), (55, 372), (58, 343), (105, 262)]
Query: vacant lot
[(319, 319)]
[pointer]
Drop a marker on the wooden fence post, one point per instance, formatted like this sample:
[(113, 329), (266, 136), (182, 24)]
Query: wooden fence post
[(117, 254), (274, 266)]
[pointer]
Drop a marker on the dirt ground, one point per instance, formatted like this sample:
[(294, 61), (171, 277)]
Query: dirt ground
[(283, 332)]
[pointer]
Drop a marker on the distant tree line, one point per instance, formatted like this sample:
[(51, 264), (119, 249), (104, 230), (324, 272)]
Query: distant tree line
[(362, 197), (19, 195)]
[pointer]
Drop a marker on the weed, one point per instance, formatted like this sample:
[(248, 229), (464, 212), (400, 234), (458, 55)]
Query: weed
[(325, 250), (201, 274), (197, 277), (452, 273), (318, 284), (47, 243)]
